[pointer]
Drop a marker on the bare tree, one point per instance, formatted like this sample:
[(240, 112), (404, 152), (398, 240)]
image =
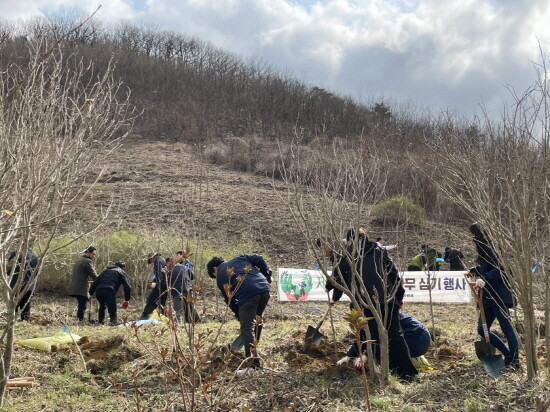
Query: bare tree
[(329, 190), (501, 179), (52, 125)]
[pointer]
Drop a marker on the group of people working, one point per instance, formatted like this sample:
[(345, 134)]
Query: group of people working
[(85, 283), (245, 283), (431, 259), (171, 279), (379, 286)]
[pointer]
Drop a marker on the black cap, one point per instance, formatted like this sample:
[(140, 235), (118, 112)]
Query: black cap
[(121, 265), (150, 256)]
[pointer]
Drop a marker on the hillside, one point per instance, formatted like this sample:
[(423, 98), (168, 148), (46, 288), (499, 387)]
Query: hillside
[(165, 187), (196, 167)]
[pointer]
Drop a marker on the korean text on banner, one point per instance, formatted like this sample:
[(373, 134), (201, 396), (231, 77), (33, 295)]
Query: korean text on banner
[(299, 285)]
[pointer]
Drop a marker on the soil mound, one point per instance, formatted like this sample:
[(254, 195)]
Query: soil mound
[(105, 354)]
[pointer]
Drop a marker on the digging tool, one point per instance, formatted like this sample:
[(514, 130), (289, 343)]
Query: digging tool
[(313, 336), (494, 364)]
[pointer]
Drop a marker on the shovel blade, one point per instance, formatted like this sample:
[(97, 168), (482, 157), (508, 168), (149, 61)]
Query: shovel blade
[(313, 336), (484, 348), (494, 364)]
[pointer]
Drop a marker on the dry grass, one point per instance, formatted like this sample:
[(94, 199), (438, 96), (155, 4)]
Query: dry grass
[(295, 378)]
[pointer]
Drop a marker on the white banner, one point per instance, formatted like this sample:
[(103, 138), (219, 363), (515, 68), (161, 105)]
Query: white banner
[(446, 287), (298, 285)]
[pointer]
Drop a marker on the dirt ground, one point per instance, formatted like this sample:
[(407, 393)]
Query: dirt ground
[(130, 369), (162, 186)]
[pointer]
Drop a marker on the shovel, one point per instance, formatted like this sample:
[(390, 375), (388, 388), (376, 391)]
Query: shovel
[(494, 364), (313, 336)]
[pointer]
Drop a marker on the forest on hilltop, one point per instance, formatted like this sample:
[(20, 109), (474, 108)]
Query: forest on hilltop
[(243, 113)]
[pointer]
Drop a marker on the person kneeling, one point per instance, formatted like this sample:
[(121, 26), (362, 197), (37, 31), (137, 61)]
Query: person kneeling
[(417, 337)]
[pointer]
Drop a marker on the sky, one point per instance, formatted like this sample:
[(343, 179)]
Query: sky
[(439, 55)]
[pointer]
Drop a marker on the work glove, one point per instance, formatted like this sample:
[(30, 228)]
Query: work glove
[(343, 361), (125, 304), (357, 362), (480, 283)]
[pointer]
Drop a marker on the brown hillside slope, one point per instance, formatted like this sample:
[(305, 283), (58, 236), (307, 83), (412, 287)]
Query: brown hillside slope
[(162, 186)]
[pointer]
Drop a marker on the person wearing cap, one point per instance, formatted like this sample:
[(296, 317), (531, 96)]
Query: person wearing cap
[(83, 270), (157, 295), (245, 282), (105, 288)]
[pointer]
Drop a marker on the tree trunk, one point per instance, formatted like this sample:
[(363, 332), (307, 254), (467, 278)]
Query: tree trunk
[(5, 370), (529, 321), (547, 321), (384, 355)]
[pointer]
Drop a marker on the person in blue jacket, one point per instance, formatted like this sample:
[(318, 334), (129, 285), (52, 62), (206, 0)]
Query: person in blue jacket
[(157, 296), (25, 288), (244, 282), (497, 297), (179, 284), (417, 337)]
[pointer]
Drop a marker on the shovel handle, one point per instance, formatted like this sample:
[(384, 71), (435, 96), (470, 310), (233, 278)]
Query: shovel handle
[(483, 319), (478, 296), (324, 317)]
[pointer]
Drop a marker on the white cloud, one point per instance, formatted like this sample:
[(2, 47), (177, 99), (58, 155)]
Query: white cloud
[(451, 53)]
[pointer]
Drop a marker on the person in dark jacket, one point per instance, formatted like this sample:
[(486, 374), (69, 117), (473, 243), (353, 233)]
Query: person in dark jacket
[(26, 288), (497, 297), (417, 337), (416, 334), (157, 296), (380, 280), (105, 288), (83, 271), (455, 258), (245, 282), (179, 284)]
